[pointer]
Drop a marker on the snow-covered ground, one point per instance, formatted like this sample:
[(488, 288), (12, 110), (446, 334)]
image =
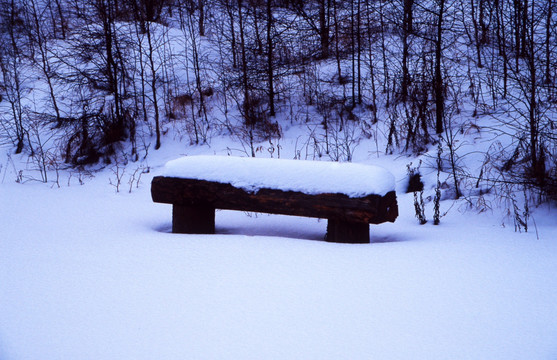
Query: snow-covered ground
[(88, 273), (90, 270)]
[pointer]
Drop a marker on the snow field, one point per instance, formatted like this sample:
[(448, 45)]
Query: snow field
[(87, 274)]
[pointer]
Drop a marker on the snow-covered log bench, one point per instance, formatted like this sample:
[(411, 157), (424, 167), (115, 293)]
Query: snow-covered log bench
[(350, 196)]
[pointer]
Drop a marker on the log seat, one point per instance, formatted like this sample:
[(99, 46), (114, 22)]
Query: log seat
[(194, 202)]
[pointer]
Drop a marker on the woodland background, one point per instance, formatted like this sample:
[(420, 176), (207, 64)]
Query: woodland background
[(104, 81)]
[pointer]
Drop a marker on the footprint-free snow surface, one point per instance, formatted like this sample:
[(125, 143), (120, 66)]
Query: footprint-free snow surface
[(86, 273), (310, 177)]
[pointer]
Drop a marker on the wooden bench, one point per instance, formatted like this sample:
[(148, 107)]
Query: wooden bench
[(195, 199)]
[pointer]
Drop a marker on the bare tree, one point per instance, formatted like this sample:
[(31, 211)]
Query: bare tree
[(12, 23), (41, 43), (270, 59), (438, 87), (406, 28)]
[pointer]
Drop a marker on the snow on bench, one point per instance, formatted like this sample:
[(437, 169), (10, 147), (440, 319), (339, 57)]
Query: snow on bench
[(350, 196)]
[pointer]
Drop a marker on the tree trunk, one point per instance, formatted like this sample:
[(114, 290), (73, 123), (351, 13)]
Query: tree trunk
[(63, 23), (324, 27), (549, 19), (154, 87), (41, 43), (359, 43), (407, 26), (201, 7), (477, 42), (270, 45), (439, 86), (245, 88)]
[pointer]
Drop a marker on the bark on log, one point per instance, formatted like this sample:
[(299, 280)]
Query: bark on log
[(194, 203), (371, 209)]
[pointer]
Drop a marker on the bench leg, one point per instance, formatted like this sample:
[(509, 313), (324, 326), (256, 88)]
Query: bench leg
[(347, 232), (197, 219)]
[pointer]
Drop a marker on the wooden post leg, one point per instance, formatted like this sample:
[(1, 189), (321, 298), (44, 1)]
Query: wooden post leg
[(347, 232), (195, 219)]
